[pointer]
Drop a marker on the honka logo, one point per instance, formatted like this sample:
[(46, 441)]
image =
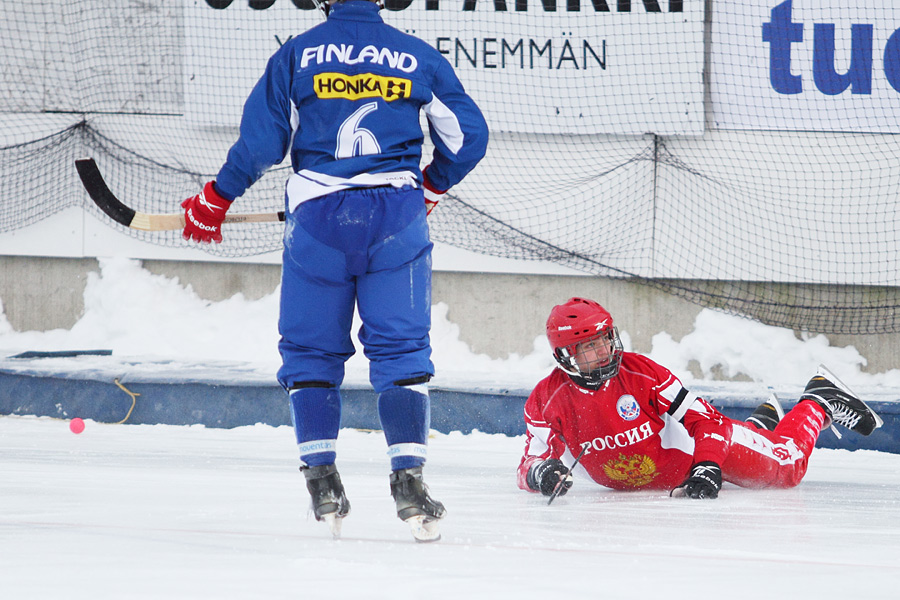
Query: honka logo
[(364, 85)]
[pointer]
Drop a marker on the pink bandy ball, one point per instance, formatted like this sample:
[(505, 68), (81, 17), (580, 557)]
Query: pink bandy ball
[(76, 425)]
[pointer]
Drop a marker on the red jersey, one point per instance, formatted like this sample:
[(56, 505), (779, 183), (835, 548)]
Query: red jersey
[(643, 429)]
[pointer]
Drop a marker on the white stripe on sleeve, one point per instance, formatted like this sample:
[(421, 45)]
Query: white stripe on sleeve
[(680, 399), (538, 444), (445, 124)]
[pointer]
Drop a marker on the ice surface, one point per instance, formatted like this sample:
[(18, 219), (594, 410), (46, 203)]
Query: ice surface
[(141, 511)]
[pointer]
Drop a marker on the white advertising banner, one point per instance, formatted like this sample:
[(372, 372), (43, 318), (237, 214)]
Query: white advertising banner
[(806, 65), (534, 66)]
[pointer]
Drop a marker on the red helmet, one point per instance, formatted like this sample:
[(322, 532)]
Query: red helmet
[(580, 326)]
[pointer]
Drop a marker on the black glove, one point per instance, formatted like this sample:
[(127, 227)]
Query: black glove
[(705, 481), (544, 476)]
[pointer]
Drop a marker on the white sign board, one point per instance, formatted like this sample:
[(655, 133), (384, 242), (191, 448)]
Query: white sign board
[(806, 65), (536, 66)]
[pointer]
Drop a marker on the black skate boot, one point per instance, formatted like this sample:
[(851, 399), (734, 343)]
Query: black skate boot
[(329, 503), (840, 404), (768, 414), (415, 505)]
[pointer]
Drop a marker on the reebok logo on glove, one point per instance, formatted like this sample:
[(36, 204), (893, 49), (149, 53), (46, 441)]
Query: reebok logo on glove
[(704, 481), (204, 215), (206, 203), (190, 215)]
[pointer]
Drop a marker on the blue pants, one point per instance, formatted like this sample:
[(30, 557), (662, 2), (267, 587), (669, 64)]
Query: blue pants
[(368, 248)]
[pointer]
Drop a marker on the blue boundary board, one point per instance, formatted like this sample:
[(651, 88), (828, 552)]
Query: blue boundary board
[(226, 401)]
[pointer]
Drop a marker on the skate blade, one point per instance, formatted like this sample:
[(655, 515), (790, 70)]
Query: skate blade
[(334, 524), (424, 529), (776, 404), (827, 374)]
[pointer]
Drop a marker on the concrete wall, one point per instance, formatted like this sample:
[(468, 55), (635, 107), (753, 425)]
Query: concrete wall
[(496, 313), (40, 294)]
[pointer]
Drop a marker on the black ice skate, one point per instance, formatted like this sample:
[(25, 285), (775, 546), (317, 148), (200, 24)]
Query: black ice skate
[(329, 503), (415, 505), (768, 414), (840, 404)]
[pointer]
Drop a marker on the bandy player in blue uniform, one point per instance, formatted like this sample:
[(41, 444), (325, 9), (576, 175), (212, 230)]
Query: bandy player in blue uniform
[(343, 100)]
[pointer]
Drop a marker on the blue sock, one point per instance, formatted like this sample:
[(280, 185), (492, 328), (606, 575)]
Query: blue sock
[(405, 415), (316, 413)]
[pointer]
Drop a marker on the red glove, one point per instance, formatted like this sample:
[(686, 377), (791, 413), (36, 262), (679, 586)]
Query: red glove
[(432, 194), (204, 214)]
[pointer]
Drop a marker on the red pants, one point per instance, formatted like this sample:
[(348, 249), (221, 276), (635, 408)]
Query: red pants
[(759, 458)]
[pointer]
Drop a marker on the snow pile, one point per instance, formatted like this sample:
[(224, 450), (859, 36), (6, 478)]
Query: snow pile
[(144, 316)]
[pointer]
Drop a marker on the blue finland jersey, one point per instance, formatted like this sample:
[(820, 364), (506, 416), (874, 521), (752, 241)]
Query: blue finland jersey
[(344, 99)]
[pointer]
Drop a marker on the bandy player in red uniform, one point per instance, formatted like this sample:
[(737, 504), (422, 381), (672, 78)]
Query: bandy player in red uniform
[(642, 429)]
